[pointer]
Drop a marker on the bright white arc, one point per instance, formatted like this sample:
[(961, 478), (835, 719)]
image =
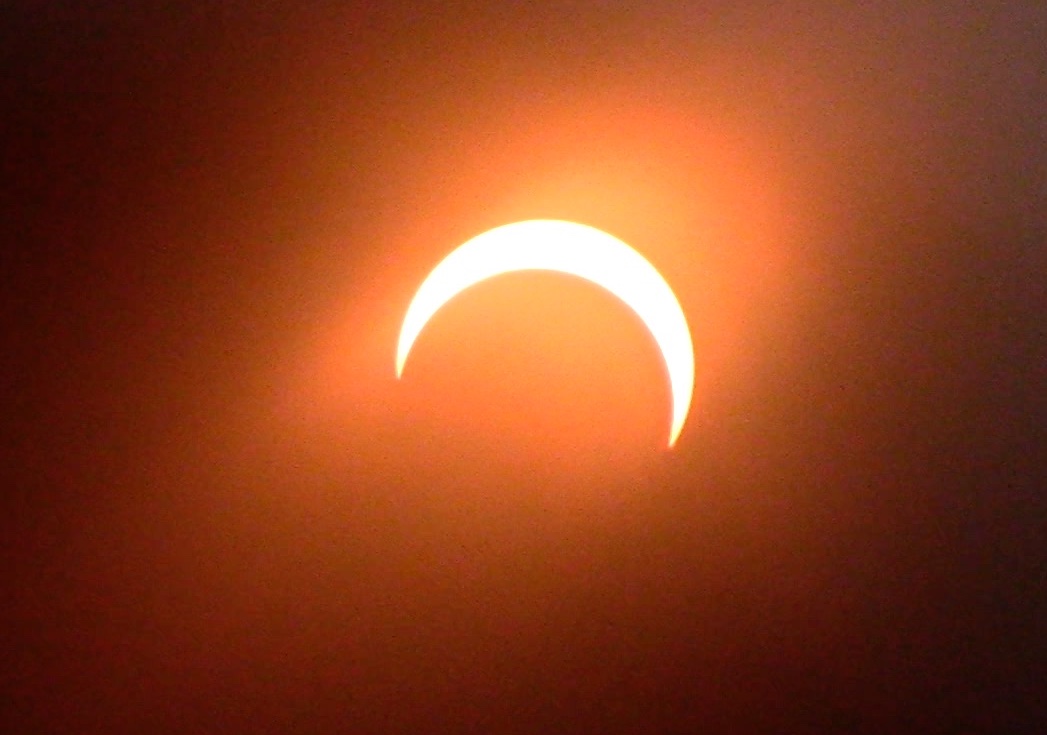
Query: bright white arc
[(574, 249)]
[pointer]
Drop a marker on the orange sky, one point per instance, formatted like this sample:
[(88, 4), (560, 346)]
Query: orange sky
[(225, 514)]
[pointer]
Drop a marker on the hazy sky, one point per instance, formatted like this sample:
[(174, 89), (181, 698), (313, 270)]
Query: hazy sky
[(224, 514)]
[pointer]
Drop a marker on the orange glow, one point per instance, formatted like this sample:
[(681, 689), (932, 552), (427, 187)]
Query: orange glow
[(577, 250)]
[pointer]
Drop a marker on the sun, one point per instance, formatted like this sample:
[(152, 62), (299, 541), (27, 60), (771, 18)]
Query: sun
[(577, 250)]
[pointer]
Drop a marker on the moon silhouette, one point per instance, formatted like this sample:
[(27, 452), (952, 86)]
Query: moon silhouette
[(574, 249)]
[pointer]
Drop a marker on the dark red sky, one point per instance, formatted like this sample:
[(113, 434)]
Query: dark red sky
[(223, 514)]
